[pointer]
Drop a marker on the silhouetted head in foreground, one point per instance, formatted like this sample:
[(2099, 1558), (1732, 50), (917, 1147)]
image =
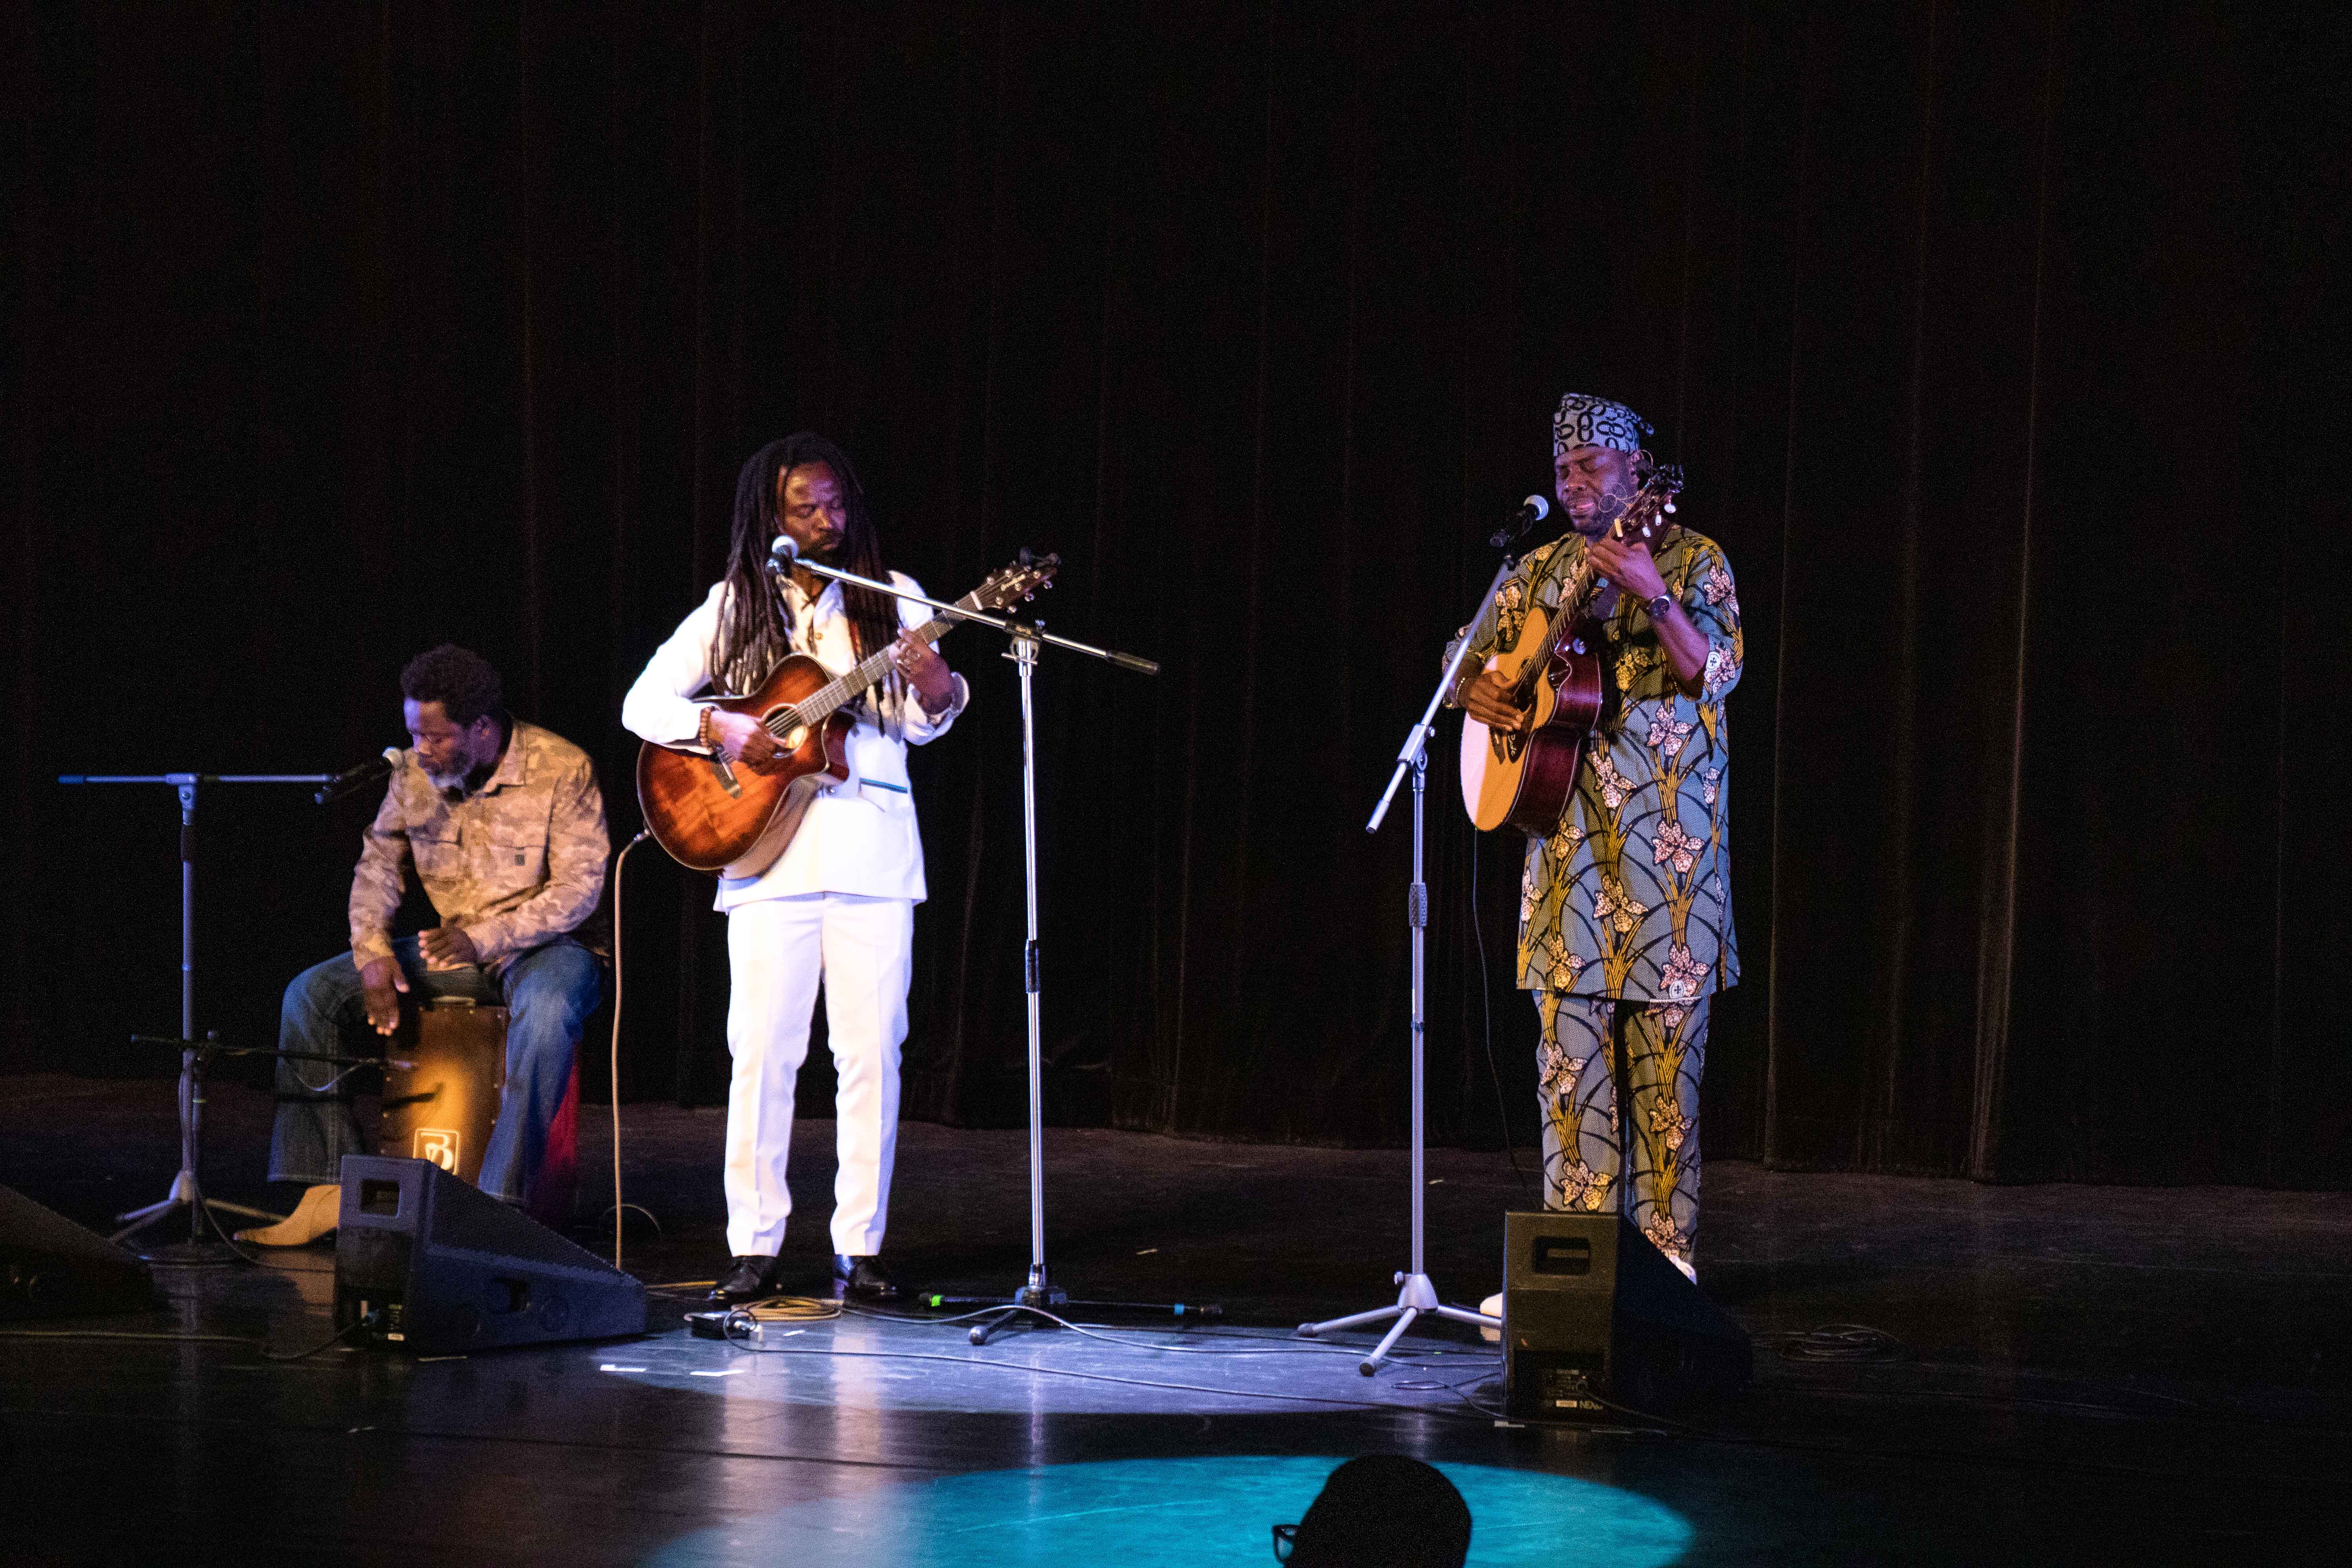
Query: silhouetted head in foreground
[(1383, 1511)]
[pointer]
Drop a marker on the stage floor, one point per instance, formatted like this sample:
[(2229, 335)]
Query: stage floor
[(1946, 1372)]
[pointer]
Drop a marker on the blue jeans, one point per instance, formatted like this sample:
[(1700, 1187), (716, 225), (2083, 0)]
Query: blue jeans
[(550, 992)]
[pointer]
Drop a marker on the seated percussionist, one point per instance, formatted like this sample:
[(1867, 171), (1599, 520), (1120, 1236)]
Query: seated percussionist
[(506, 828)]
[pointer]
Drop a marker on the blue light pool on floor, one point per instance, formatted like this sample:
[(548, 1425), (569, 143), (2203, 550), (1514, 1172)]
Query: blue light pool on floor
[(1147, 1513)]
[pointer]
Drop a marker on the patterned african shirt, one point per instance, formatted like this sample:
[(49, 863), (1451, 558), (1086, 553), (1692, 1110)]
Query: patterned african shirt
[(1630, 895)]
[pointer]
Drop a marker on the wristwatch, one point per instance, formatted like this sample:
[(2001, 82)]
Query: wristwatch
[(1659, 606)]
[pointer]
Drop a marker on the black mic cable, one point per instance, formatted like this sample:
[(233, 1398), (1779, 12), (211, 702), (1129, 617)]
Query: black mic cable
[(1532, 511)]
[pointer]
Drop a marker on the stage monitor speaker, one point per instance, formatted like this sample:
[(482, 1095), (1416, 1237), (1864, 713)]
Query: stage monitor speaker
[(52, 1268), (1594, 1312), (431, 1265)]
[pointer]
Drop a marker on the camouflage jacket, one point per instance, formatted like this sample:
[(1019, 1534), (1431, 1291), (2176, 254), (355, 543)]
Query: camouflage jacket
[(517, 863)]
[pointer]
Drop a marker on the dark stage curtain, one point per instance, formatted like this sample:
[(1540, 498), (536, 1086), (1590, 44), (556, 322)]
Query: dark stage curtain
[(1994, 339)]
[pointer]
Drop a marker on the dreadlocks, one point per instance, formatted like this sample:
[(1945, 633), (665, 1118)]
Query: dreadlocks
[(755, 627)]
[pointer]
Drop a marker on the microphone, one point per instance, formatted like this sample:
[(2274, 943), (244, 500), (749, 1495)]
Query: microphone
[(352, 778), (782, 553), (1532, 511)]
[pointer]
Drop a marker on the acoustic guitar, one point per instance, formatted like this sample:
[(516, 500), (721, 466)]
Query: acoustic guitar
[(1523, 778), (712, 814)]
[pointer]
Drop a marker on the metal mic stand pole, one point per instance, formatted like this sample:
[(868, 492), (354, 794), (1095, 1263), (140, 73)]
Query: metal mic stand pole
[(1040, 1296), (210, 1045), (1415, 1295), (186, 1193)]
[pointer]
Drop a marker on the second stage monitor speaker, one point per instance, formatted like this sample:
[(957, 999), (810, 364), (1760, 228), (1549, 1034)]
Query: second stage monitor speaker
[(52, 1268), (1594, 1315)]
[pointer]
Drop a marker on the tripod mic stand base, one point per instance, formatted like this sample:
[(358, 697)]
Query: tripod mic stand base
[(1046, 1302), (139, 1219), (202, 1211), (1416, 1298)]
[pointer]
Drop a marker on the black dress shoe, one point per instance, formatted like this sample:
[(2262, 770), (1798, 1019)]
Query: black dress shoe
[(862, 1279), (745, 1280)]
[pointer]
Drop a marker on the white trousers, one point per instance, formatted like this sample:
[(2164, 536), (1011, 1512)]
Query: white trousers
[(777, 949)]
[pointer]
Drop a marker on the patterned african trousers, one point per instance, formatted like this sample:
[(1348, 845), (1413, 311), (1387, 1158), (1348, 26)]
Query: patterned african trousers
[(1597, 1054)]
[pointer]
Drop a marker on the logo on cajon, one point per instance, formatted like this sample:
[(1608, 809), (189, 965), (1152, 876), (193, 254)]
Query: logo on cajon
[(438, 1144)]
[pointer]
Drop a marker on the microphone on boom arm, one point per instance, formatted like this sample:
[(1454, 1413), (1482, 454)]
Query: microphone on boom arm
[(1532, 511), (350, 779)]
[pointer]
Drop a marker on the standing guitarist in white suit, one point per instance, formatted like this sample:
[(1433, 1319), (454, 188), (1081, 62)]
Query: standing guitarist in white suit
[(838, 902)]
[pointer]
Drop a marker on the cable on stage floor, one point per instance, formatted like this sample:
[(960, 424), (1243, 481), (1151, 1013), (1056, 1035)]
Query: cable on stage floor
[(340, 1335), (1097, 1331), (793, 1309), (1836, 1342)]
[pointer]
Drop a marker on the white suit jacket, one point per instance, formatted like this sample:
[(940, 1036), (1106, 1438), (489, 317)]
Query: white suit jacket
[(859, 837)]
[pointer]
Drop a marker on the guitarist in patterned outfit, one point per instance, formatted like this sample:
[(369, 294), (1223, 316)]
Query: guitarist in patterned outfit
[(1625, 908)]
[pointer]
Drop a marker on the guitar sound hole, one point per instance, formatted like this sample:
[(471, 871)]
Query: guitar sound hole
[(790, 739)]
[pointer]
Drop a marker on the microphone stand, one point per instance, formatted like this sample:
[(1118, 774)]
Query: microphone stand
[(211, 1046), (1415, 1295), (1040, 1296), (186, 1193)]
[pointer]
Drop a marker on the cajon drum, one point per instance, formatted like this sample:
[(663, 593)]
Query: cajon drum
[(443, 1108)]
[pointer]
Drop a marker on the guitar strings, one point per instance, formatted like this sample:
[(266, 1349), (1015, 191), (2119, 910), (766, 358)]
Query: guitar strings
[(1661, 486), (820, 702)]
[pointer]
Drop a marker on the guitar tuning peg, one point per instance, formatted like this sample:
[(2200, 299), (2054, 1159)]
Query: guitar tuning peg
[(1670, 506)]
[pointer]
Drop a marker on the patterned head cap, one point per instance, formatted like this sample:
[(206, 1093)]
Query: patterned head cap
[(1585, 420)]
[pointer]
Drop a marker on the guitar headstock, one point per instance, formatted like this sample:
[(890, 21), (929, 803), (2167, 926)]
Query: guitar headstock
[(1644, 517), (1010, 585)]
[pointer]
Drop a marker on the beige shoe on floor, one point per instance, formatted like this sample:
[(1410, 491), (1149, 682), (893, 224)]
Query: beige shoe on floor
[(313, 1217)]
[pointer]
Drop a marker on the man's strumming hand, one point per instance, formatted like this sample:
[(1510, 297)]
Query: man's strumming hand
[(743, 738), (1486, 696)]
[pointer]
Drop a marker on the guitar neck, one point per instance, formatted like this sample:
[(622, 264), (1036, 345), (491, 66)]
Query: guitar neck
[(1575, 598), (871, 670), (1576, 593)]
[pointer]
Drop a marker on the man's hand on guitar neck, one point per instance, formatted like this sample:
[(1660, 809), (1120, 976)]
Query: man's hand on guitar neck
[(1486, 696), (743, 738), (1630, 567), (925, 670)]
